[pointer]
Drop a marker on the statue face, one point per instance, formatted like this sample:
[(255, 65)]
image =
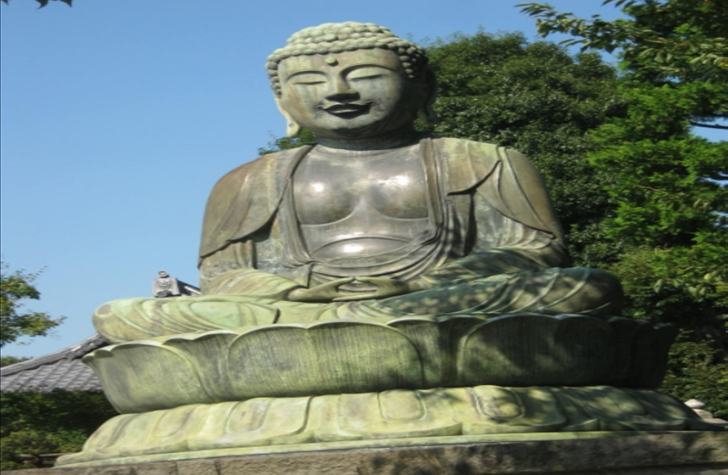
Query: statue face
[(354, 94)]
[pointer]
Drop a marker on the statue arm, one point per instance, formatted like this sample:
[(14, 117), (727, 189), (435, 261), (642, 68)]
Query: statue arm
[(497, 261), (231, 271), (242, 204), (513, 225), (518, 249)]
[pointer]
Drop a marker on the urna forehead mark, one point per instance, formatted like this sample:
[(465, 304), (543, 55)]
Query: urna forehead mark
[(341, 63)]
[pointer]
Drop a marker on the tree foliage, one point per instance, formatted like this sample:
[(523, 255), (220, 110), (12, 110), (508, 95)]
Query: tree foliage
[(15, 323), (55, 422), (7, 360), (43, 3), (696, 371), (679, 40), (669, 186), (285, 143), (670, 218), (36, 423)]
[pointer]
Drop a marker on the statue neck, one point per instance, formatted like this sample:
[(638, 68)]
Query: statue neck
[(395, 139)]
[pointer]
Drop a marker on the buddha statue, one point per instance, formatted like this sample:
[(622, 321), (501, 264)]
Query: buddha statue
[(377, 286), (374, 221)]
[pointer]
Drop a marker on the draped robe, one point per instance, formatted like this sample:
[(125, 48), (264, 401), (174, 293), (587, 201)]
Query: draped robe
[(493, 246)]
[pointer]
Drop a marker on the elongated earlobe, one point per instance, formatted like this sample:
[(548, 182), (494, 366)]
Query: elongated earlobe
[(292, 127), (426, 113)]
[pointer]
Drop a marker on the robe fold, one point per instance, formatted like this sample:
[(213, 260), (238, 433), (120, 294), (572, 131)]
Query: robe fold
[(478, 184), (493, 246)]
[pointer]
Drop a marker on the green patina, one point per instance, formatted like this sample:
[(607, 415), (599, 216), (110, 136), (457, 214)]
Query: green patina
[(377, 285)]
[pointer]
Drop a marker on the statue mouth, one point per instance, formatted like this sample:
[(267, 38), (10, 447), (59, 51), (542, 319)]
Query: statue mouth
[(348, 110)]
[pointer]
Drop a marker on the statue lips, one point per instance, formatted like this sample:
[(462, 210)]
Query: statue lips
[(347, 110)]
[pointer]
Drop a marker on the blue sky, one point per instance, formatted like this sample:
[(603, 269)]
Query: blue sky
[(118, 116)]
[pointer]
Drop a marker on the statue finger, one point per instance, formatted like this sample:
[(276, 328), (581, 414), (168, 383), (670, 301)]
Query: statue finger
[(335, 284), (353, 298)]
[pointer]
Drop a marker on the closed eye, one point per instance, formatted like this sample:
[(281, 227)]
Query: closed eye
[(307, 78), (368, 76), (310, 82)]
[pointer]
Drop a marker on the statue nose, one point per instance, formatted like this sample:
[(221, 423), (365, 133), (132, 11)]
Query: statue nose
[(343, 95), (341, 90)]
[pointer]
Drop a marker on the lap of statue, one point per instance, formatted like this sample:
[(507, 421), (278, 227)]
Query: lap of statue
[(552, 292)]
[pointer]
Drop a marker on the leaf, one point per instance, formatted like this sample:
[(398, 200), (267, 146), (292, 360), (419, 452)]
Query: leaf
[(15, 323)]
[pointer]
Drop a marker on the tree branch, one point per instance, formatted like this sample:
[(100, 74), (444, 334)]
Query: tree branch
[(656, 190), (711, 126)]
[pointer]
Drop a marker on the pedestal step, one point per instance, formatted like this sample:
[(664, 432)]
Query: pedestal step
[(390, 418)]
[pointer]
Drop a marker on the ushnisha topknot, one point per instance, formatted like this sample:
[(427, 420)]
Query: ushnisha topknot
[(348, 36)]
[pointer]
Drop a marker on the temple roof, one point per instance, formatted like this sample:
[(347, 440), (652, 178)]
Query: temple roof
[(60, 370)]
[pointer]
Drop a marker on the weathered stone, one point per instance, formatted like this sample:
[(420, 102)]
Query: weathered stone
[(306, 423), (381, 288), (666, 453), (349, 356)]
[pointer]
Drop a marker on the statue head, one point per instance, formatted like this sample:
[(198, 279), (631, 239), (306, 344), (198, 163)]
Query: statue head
[(351, 80)]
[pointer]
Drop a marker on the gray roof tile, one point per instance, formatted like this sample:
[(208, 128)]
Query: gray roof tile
[(60, 370)]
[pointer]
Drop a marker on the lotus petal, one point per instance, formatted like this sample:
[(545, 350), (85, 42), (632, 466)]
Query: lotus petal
[(532, 350), (326, 358), (146, 375)]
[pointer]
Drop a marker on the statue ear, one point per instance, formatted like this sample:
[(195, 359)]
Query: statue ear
[(292, 127), (426, 113)]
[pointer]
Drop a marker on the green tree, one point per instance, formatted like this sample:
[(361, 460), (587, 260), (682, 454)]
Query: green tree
[(670, 210), (669, 40), (693, 372), (6, 360), (55, 422), (668, 185), (43, 3), (285, 143), (15, 323)]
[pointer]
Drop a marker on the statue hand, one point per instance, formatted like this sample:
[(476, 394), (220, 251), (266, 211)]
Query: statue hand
[(384, 288), (320, 293)]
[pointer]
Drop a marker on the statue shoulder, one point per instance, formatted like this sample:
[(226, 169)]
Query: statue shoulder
[(233, 179), (504, 177), (245, 199), (468, 163)]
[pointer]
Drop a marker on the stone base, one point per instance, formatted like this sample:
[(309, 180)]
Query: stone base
[(389, 418), (604, 453)]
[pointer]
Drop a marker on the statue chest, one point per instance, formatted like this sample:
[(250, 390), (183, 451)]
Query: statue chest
[(360, 205)]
